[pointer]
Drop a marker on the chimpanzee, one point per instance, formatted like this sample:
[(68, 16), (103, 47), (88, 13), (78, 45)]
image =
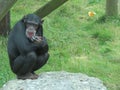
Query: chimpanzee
[(27, 47)]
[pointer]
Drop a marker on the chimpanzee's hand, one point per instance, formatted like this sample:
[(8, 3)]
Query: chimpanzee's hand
[(41, 42), (36, 39)]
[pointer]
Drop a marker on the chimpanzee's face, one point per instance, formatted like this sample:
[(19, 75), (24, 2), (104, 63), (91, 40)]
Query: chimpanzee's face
[(31, 29), (32, 25)]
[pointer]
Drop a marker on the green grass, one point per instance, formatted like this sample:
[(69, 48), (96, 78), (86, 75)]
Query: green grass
[(78, 43)]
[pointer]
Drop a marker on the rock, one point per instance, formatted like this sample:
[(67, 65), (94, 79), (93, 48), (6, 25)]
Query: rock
[(56, 81)]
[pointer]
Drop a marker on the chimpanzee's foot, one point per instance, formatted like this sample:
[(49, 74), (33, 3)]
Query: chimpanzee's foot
[(35, 74), (27, 76)]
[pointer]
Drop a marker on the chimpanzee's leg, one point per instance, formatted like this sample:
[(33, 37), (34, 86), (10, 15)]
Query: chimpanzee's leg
[(17, 64), (41, 60), (23, 66)]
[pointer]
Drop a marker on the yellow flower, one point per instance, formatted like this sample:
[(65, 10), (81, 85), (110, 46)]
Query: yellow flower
[(91, 13)]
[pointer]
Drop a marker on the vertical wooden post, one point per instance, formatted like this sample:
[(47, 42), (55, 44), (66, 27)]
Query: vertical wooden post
[(5, 25), (111, 7), (5, 6), (118, 7)]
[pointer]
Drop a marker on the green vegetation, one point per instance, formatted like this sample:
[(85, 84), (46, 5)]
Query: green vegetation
[(78, 43)]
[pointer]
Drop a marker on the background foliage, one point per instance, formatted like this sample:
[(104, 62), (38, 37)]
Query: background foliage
[(78, 43)]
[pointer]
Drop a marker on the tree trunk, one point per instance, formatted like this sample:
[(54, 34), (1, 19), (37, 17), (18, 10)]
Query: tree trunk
[(5, 6), (118, 7), (49, 7), (111, 7), (5, 25)]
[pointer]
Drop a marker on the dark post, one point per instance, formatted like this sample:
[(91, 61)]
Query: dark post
[(49, 7), (5, 6), (111, 7), (5, 25)]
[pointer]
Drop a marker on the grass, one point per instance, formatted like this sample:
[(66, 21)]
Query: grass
[(78, 43)]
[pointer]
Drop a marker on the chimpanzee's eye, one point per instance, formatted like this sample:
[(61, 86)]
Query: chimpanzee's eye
[(35, 26), (28, 24)]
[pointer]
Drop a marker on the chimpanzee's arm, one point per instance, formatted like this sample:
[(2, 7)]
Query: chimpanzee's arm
[(43, 48), (45, 45)]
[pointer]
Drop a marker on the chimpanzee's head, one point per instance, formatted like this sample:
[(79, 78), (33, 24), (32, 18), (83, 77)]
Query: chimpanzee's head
[(33, 25)]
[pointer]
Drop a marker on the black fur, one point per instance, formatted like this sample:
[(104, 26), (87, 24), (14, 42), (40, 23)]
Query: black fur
[(26, 56)]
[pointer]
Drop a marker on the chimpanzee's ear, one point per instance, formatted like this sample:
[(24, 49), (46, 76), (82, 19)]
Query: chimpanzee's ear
[(24, 18), (42, 21)]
